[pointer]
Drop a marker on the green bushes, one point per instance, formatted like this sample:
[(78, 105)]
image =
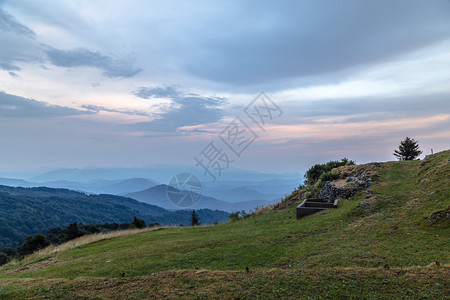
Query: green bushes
[(238, 215), (327, 176), (33, 243), (137, 223), (315, 173)]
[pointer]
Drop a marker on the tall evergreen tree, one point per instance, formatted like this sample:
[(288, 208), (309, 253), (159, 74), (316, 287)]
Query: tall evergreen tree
[(194, 219), (408, 149)]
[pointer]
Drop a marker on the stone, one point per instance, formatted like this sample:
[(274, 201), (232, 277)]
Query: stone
[(331, 192)]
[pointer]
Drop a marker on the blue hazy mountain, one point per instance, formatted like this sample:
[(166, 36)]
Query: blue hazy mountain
[(115, 187), (159, 173), (158, 195)]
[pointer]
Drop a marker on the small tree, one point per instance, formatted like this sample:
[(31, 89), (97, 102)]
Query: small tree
[(3, 258), (408, 150), (33, 244), (138, 223), (194, 219)]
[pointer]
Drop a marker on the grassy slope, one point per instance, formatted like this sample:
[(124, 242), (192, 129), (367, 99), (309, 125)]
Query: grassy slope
[(339, 253)]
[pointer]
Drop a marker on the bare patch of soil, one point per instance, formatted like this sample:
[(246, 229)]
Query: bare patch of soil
[(34, 266)]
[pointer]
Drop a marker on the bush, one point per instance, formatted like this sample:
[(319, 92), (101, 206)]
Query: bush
[(73, 231), (33, 244), (239, 215), (328, 176), (314, 173), (138, 223), (3, 258), (234, 216)]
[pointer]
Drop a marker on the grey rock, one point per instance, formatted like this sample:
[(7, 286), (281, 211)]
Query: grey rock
[(331, 192)]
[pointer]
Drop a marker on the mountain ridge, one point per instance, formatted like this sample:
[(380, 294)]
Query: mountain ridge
[(158, 196)]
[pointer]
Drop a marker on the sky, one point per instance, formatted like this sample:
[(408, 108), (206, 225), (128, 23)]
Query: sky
[(272, 86)]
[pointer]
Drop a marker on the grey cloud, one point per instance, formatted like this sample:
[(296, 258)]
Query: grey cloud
[(157, 92), (97, 109), (17, 42), (81, 57), (309, 38), (189, 109), (13, 74), (12, 106), (196, 130), (9, 67), (9, 24)]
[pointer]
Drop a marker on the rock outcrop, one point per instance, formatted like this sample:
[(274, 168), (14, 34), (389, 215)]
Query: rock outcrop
[(332, 192), (351, 179)]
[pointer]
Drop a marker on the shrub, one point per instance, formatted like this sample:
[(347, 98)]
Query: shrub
[(328, 176), (73, 231), (3, 258), (33, 244), (137, 223), (312, 176), (234, 216)]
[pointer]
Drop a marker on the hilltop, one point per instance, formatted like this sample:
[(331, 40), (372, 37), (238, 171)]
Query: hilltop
[(388, 240)]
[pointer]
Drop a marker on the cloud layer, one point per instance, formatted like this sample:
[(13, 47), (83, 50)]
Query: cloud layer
[(80, 57)]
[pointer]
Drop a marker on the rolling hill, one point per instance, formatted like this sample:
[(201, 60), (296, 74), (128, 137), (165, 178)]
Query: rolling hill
[(388, 241)]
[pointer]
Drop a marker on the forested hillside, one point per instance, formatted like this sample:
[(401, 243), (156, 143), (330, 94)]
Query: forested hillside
[(27, 211)]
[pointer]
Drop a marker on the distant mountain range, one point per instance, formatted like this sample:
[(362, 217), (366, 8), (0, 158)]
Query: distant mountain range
[(26, 211), (158, 195), (115, 187), (159, 173), (237, 190)]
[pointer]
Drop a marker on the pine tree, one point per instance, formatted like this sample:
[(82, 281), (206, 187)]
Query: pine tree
[(194, 219), (408, 149)]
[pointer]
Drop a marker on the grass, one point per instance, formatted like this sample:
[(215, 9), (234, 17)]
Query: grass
[(413, 283), (336, 253), (83, 240)]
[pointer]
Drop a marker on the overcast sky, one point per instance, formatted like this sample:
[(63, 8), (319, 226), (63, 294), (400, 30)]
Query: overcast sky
[(135, 83)]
